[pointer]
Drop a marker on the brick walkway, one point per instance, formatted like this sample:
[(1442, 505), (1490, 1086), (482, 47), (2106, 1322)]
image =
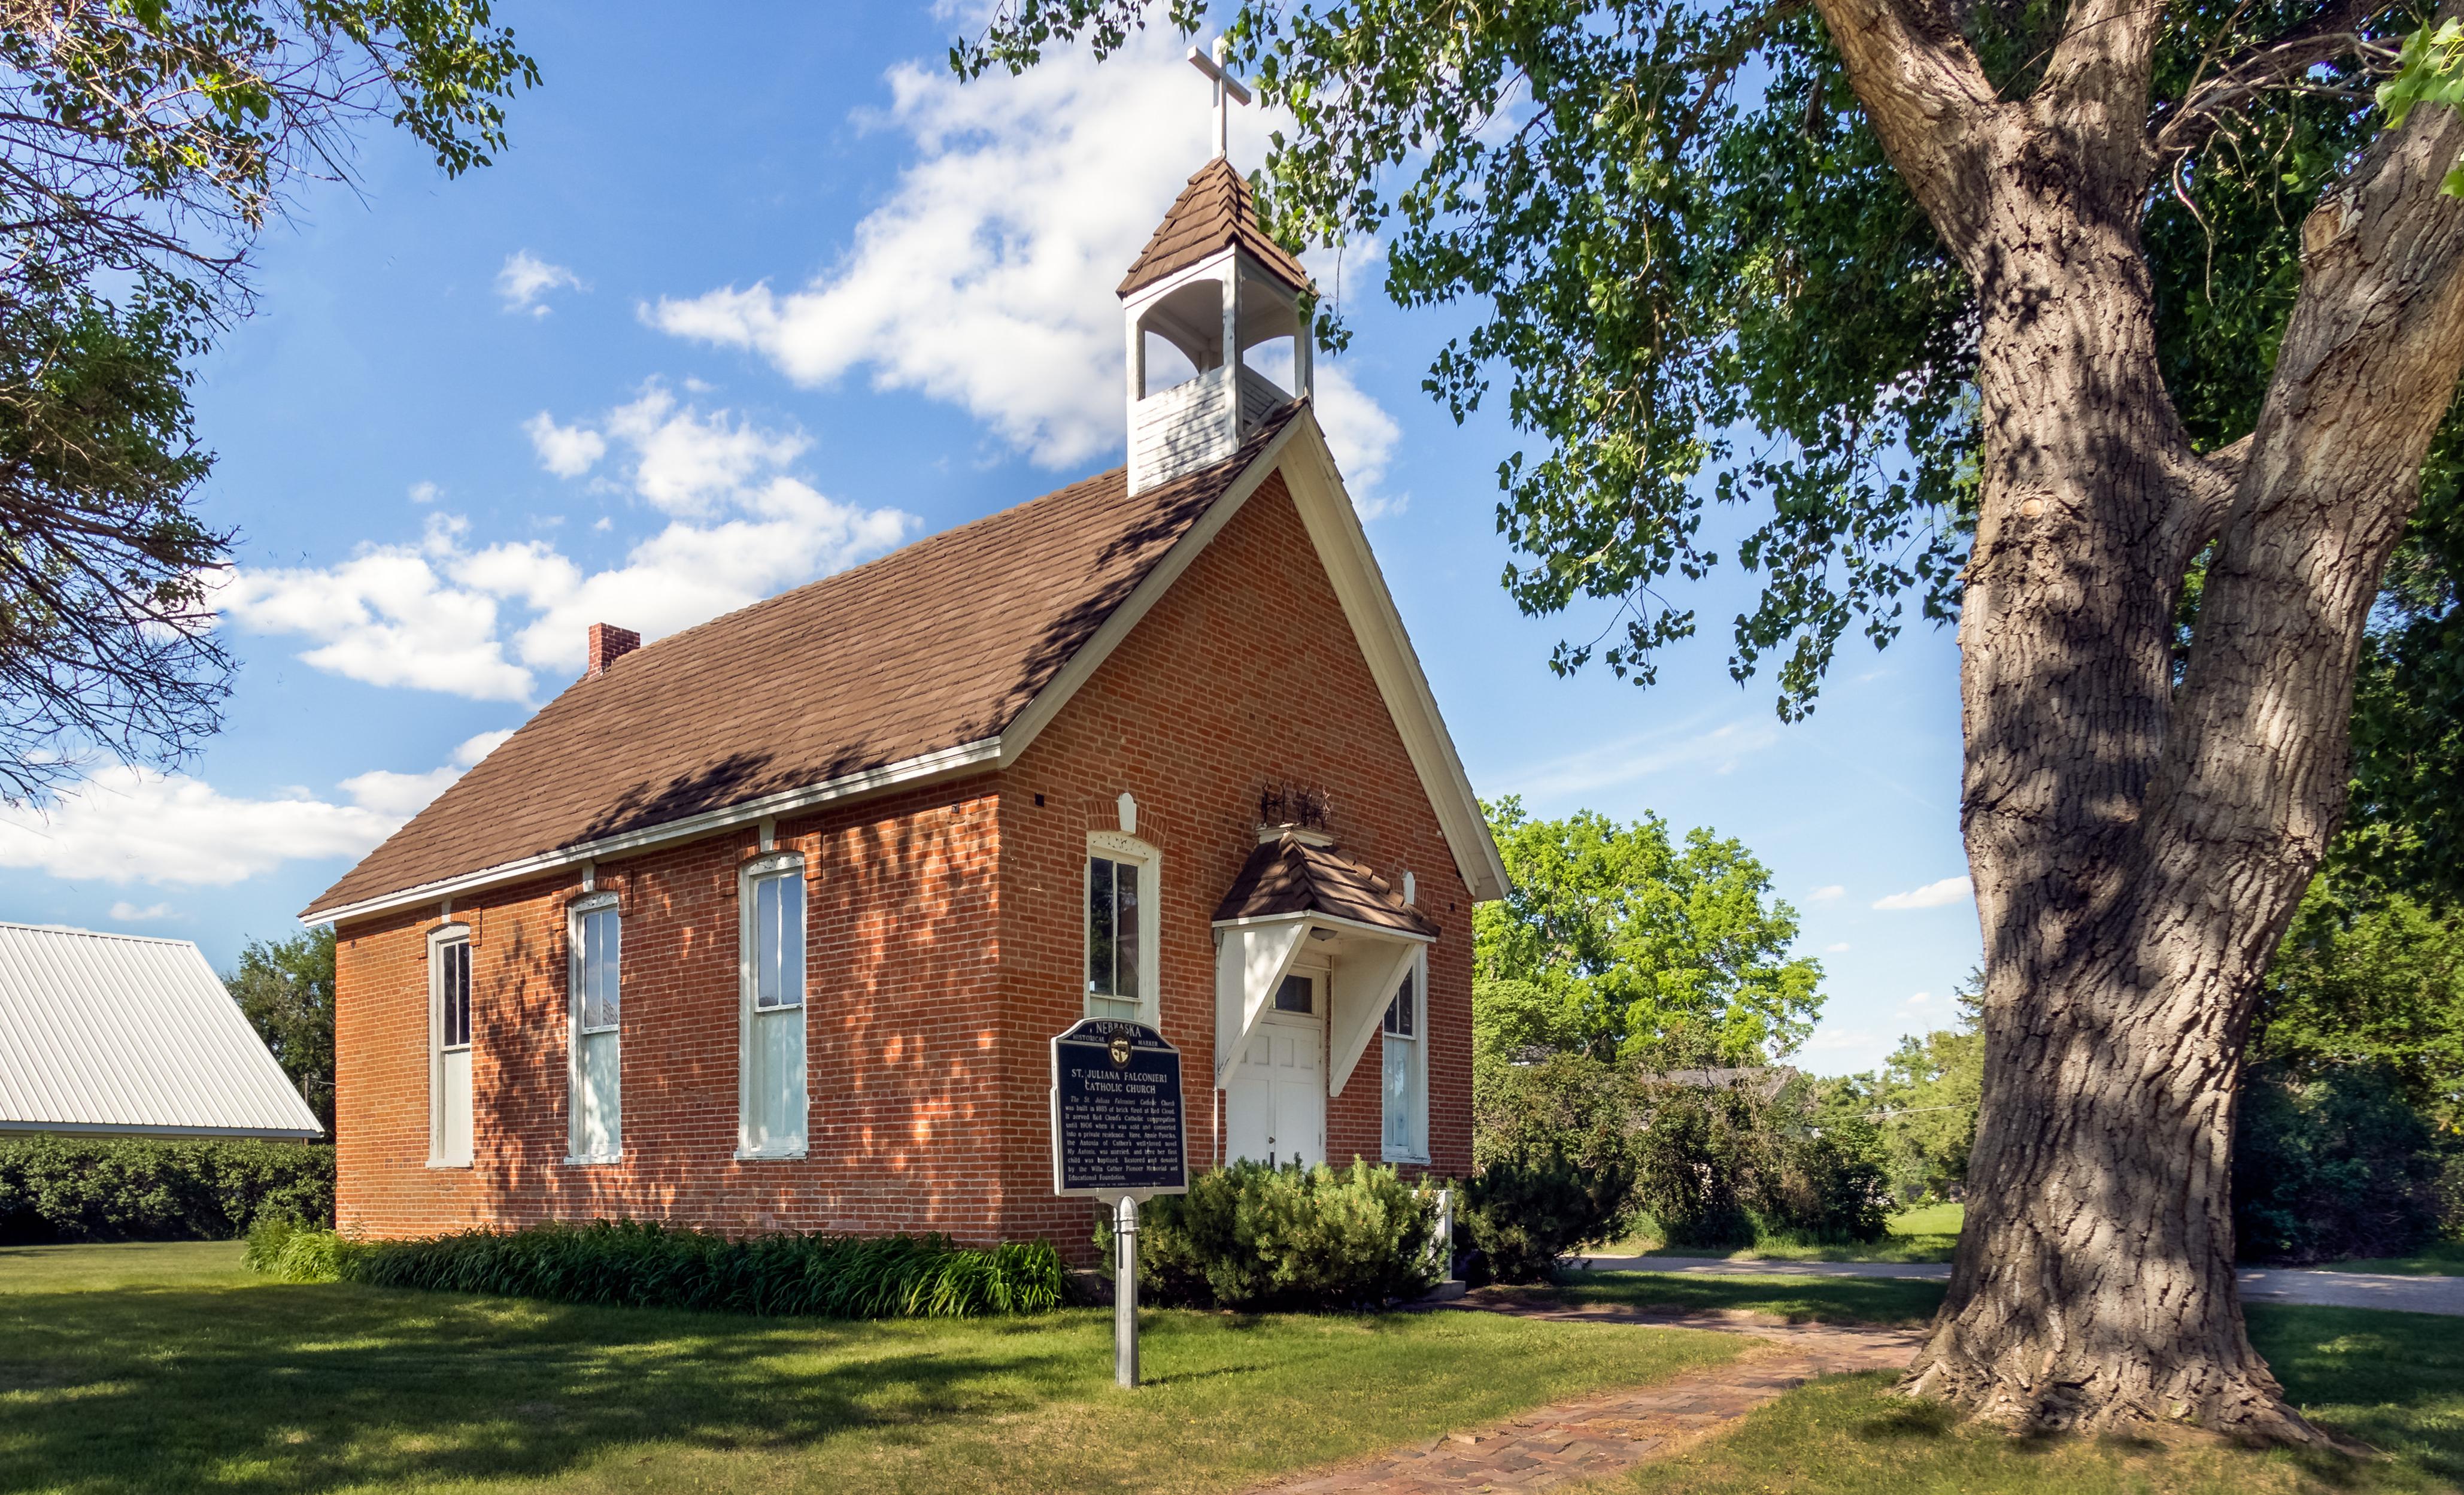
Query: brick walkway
[(1599, 1436)]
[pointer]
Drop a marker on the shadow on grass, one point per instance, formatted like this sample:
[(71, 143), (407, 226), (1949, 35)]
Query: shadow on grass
[(306, 1387), (1857, 1300)]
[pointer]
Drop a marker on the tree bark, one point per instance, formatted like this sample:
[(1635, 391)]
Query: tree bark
[(2139, 845)]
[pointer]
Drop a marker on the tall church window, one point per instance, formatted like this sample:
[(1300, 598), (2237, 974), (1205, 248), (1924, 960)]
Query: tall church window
[(596, 937), (773, 1081), (449, 1068)]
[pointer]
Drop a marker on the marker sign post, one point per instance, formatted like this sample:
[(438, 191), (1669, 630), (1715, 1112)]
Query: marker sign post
[(1119, 1134)]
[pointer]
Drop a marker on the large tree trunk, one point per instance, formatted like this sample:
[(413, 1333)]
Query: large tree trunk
[(2137, 843)]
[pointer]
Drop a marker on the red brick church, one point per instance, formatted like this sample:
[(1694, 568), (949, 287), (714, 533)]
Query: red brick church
[(767, 925)]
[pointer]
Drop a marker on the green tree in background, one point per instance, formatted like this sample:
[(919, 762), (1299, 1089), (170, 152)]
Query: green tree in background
[(1617, 944), (1921, 1104), (2370, 982), (286, 989), (142, 146)]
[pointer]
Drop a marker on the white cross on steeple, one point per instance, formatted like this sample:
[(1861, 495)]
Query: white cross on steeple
[(1228, 91)]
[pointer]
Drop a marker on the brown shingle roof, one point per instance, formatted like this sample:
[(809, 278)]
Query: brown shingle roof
[(1214, 209), (1290, 877), (934, 645)]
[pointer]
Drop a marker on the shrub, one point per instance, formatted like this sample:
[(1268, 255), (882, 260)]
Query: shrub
[(2330, 1168), (1253, 1237), (1698, 1159), (1824, 1184), (1522, 1217), (62, 1188), (633, 1263)]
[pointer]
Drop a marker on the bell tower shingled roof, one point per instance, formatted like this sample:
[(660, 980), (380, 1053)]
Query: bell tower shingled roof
[(1215, 210)]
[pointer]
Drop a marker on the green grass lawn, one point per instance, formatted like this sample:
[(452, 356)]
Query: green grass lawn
[(2438, 1259), (1927, 1233), (2393, 1381), (166, 1368)]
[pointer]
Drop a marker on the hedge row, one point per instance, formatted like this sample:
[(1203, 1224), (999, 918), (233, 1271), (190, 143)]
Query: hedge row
[(56, 1188), (636, 1265)]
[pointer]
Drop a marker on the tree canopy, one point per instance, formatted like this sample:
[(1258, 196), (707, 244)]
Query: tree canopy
[(285, 989), (1615, 942), (142, 146)]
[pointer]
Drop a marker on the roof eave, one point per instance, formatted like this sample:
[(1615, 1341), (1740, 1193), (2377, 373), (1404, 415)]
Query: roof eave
[(951, 762)]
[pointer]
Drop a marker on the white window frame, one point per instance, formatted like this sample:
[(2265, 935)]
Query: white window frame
[(1418, 1060), (756, 871), (587, 904), (1120, 847), (439, 940)]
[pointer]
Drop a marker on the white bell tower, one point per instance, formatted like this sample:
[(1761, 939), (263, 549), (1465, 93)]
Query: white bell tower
[(1214, 287)]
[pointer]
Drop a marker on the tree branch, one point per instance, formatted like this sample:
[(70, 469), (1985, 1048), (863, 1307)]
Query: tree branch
[(2184, 126)]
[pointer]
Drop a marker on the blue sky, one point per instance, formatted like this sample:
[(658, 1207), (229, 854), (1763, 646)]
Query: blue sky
[(729, 316)]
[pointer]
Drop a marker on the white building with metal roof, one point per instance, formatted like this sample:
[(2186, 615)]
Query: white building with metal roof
[(126, 1034)]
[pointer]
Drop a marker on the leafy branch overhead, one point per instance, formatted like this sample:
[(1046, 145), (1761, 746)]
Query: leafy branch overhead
[(143, 146), (1701, 286)]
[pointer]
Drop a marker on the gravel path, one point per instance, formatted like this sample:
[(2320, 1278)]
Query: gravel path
[(2258, 1284)]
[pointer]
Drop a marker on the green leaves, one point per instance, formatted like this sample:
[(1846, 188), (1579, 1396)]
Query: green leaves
[(1614, 942), (2429, 69), (141, 146)]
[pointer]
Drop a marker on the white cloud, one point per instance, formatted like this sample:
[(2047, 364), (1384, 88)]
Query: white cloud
[(985, 279), (1932, 895), (483, 621), (127, 913), (1688, 744), (1918, 999), (426, 493), (406, 795), (1826, 893), (1839, 949), (566, 450), (527, 280), (684, 461), (138, 826), (1832, 1041)]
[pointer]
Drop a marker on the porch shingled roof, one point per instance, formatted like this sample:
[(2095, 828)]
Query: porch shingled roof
[(1290, 876)]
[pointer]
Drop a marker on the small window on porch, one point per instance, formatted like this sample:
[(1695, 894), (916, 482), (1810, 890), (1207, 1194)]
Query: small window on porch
[(1404, 1081)]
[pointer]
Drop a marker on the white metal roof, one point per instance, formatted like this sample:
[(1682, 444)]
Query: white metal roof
[(123, 1033)]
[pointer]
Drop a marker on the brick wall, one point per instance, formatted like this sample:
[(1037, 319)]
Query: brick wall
[(945, 946)]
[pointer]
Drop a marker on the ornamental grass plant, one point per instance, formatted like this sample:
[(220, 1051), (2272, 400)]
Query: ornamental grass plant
[(635, 1263)]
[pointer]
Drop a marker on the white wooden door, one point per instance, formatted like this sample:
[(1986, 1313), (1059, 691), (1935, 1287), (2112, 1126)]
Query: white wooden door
[(1274, 1108)]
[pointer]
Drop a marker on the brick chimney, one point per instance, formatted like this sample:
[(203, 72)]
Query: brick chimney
[(608, 644)]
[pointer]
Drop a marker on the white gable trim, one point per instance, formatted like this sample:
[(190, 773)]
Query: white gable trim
[(1021, 732), (1343, 549)]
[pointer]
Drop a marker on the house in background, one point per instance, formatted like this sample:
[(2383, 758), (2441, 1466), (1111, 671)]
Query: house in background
[(120, 1034), (767, 925)]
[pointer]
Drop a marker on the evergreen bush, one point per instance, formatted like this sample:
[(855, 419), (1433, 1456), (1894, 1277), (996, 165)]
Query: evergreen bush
[(1254, 1237), (69, 1188), (1522, 1218), (635, 1263)]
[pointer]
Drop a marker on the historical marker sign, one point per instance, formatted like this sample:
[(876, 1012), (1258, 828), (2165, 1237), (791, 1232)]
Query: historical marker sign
[(1117, 1126)]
